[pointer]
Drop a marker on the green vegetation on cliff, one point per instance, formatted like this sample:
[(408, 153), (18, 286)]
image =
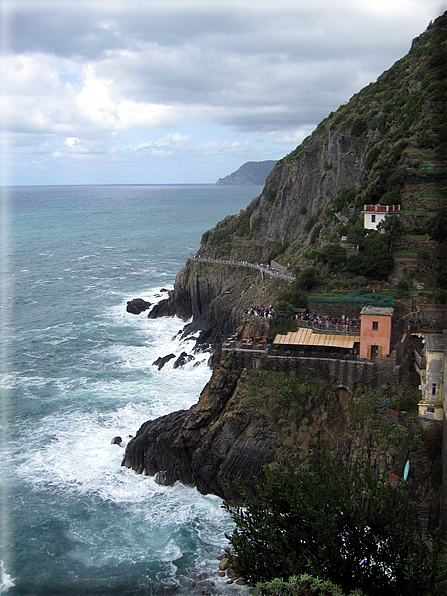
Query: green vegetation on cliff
[(387, 145)]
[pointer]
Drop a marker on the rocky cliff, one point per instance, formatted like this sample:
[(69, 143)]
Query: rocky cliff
[(363, 153), (367, 151), (245, 419), (295, 192), (215, 297)]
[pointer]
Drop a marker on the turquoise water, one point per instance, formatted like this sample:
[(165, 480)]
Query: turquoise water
[(76, 370)]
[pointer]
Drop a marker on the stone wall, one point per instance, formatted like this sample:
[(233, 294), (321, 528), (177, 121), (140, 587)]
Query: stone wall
[(347, 373), (433, 315)]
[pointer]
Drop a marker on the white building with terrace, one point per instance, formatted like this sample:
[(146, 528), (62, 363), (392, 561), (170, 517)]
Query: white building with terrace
[(375, 214)]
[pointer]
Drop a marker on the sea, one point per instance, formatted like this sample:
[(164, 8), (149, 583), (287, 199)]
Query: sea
[(77, 370)]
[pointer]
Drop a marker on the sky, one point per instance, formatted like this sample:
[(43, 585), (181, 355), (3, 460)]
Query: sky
[(182, 91)]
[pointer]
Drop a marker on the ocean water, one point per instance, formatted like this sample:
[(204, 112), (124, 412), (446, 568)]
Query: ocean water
[(76, 370)]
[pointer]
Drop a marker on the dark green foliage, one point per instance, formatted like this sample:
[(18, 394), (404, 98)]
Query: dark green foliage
[(303, 585), (372, 156), (360, 281), (293, 294), (424, 255), (391, 198), (257, 223), (307, 278), (310, 223), (437, 225), (358, 126), (403, 289), (374, 258), (414, 378), (277, 250), (282, 321), (334, 255), (356, 234), (393, 225), (338, 524), (411, 395), (315, 234), (284, 310), (281, 325), (341, 201)]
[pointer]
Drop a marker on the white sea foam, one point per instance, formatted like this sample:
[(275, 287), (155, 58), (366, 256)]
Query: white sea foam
[(6, 581), (77, 453)]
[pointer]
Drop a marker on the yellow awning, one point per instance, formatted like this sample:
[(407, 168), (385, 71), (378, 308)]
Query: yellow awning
[(307, 337)]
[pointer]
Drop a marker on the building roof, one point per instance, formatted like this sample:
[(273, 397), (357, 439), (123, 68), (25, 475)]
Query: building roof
[(307, 337), (436, 342), (385, 311)]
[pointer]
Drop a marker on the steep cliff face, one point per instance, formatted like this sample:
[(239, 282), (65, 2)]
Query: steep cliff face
[(299, 187), (243, 416), (215, 297), (296, 191), (362, 153)]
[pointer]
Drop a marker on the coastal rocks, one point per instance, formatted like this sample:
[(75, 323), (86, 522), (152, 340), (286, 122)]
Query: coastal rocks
[(183, 359), (137, 306), (215, 298), (117, 441), (240, 425), (160, 362), (207, 446)]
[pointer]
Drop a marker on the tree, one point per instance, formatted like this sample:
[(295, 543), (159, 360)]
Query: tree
[(356, 234), (303, 585), (334, 255), (307, 278), (374, 259), (339, 524)]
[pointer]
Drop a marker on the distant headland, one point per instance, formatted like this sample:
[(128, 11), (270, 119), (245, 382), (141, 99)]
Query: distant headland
[(252, 172)]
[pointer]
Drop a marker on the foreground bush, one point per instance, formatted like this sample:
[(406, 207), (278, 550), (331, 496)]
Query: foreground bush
[(346, 526)]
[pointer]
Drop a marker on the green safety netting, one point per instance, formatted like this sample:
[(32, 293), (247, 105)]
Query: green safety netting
[(353, 300)]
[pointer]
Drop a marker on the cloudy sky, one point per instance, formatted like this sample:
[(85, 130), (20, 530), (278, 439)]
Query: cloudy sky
[(182, 91)]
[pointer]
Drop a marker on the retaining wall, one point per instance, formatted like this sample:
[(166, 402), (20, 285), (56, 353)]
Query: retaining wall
[(369, 373)]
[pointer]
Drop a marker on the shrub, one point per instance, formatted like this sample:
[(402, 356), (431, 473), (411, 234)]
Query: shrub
[(337, 523)]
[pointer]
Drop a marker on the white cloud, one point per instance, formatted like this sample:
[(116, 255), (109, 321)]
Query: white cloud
[(95, 80)]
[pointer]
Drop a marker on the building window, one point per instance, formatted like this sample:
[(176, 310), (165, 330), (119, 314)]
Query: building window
[(375, 325), (433, 389), (373, 219)]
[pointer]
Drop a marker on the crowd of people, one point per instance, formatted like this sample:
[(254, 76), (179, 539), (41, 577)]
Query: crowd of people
[(261, 311), (344, 323)]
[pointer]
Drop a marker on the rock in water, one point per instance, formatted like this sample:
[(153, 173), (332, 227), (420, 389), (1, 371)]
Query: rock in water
[(137, 306), (160, 362), (183, 359)]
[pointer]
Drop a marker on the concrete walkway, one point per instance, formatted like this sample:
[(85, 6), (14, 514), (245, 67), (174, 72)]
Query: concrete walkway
[(263, 270)]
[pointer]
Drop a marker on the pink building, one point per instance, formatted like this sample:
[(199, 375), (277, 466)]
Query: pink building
[(375, 331)]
